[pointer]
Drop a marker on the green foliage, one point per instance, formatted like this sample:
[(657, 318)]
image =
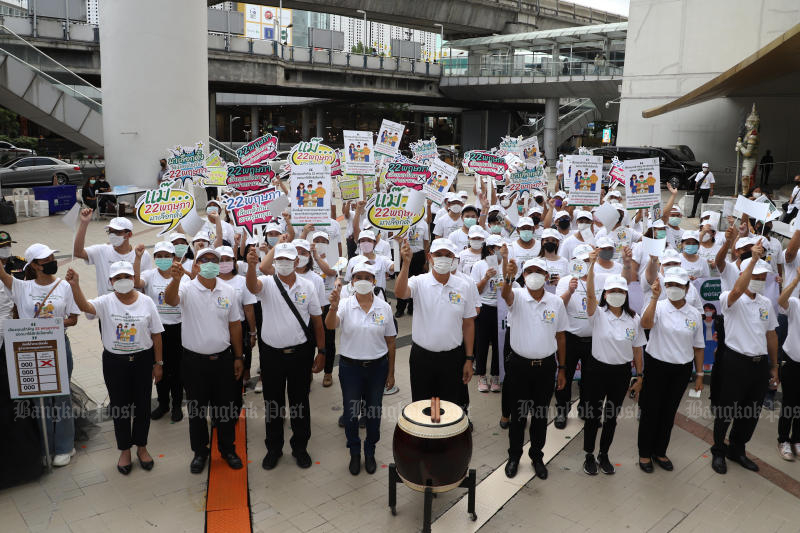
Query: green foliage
[(360, 49), (21, 142), (9, 123)]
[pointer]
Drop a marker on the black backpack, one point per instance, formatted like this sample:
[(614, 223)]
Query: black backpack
[(7, 213)]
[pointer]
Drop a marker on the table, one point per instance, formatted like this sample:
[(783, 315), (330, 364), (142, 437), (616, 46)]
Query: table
[(118, 192)]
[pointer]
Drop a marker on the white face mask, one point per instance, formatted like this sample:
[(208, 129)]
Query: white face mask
[(477, 244), (366, 247), (5, 252), (534, 281), (456, 208), (442, 265), (616, 299), (302, 260), (675, 293), (706, 237), (756, 195), (123, 286), (584, 225), (505, 203), (756, 286), (115, 240), (363, 286), (284, 267)]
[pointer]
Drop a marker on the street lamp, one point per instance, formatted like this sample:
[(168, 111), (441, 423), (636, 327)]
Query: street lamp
[(441, 39), (231, 120), (366, 37)]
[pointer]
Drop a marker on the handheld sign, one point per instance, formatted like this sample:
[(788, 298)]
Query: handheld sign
[(164, 207), (36, 357), (396, 211), (642, 183), (258, 150), (248, 211), (246, 178)]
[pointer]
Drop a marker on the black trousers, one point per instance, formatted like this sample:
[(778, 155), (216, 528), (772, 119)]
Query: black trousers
[(789, 422), (662, 390), (287, 374), (531, 384), (485, 338), (742, 382), (351, 246), (700, 194), (171, 385), (602, 381), (578, 349), (415, 267), (330, 342), (437, 374), (209, 385), (129, 379)]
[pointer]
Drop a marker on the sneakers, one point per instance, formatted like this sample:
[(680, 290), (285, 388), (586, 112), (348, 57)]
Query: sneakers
[(393, 390), (590, 465), (796, 447), (605, 465), (496, 387), (483, 385), (259, 388), (63, 459), (785, 451), (327, 380)]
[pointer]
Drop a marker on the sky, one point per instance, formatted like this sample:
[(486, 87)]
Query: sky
[(612, 6)]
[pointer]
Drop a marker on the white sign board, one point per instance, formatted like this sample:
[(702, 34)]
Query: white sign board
[(36, 357), (358, 153)]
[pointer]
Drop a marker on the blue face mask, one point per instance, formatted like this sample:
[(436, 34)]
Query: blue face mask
[(212, 210), (272, 241), (526, 235), (496, 230), (181, 249), (520, 209), (469, 222), (163, 263), (674, 221), (691, 249), (661, 234), (209, 270)]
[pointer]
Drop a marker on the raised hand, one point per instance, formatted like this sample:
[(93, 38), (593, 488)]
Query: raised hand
[(86, 214), (405, 251), (252, 258), (334, 297), (139, 250), (511, 269), (72, 277), (757, 251), (176, 270), (573, 285), (656, 289)]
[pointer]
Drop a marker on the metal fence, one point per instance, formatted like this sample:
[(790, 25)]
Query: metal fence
[(527, 65)]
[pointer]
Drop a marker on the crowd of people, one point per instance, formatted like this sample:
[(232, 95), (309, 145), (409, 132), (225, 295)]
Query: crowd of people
[(574, 294)]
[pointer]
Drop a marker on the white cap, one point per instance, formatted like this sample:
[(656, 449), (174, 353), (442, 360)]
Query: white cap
[(605, 242), (251, 240), (552, 233), (226, 251), (463, 195), (535, 209), (706, 214), (495, 208), (362, 266), (367, 234), (120, 267), (453, 197), (525, 221), (37, 251), (615, 281), (560, 194), (443, 244), (470, 206), (676, 275), (476, 232), (285, 250), (202, 236), (705, 165), (691, 234), (745, 241), (206, 251), (581, 213), (762, 267), (120, 223), (302, 243), (613, 194), (582, 252), (271, 226), (536, 193), (658, 223), (676, 209), (670, 256), (175, 236), (494, 240), (561, 214), (164, 246), (535, 262), (321, 234), (215, 202)]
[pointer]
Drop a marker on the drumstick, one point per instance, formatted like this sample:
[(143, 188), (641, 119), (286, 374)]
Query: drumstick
[(435, 414)]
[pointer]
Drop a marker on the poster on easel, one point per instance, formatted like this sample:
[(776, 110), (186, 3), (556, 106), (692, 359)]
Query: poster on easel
[(310, 194), (36, 357), (359, 156), (582, 177), (642, 183)]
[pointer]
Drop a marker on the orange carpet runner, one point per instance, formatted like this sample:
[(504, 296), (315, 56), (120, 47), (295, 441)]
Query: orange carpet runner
[(228, 498)]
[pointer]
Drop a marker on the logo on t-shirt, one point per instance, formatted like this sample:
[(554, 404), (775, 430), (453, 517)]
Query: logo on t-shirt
[(630, 333), (300, 297), (378, 319), (763, 314), (126, 332), (691, 324), (43, 311), (548, 316), (455, 298), (223, 302)]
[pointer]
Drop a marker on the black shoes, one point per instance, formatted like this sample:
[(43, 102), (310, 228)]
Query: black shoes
[(177, 414), (399, 313), (666, 464), (198, 464), (560, 421), (369, 464), (355, 464), (646, 467), (146, 465), (302, 458), (590, 465), (158, 412), (503, 424), (539, 468), (341, 421), (270, 460), (233, 460), (124, 470), (605, 465), (743, 461), (719, 465), (511, 467)]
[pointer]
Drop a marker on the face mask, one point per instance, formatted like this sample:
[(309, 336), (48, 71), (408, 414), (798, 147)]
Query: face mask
[(163, 263), (674, 221), (584, 225), (209, 270), (456, 208), (709, 314), (92, 182), (520, 209), (476, 244), (212, 210), (675, 293), (226, 267), (363, 286), (181, 249), (550, 247), (563, 223), (496, 230), (661, 234), (536, 220), (284, 267), (534, 281), (558, 202), (272, 241), (50, 268), (706, 237), (526, 235), (756, 286), (115, 240), (616, 299), (302, 260), (366, 247), (691, 249), (505, 203), (756, 195), (442, 265), (5, 252), (606, 254), (469, 222), (123, 286)]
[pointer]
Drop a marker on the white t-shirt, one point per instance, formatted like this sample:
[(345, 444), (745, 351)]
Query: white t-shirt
[(446, 225), (576, 308), (616, 268), (6, 306), (539, 322), (363, 335), (127, 328), (675, 333), (381, 265), (520, 254), (328, 281), (674, 238), (710, 254), (568, 246), (280, 328), (792, 344), (439, 311), (245, 297), (747, 322), (154, 286), (695, 269), (621, 237), (613, 338), (559, 267), (417, 236), (102, 255), (319, 285), (493, 287), (467, 259), (227, 232), (207, 314), (460, 238), (707, 182), (28, 296), (790, 272), (794, 200), (773, 254)]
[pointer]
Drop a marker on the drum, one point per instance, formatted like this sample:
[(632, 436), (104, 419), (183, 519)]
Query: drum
[(432, 454)]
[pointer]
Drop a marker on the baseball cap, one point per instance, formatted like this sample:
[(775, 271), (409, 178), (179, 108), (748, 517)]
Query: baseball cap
[(362, 266), (206, 251), (676, 209), (536, 193), (762, 267), (582, 252), (318, 234), (120, 223), (604, 242), (302, 243), (475, 232), (745, 241), (215, 202), (5, 237), (581, 213), (560, 194), (495, 209), (202, 236), (705, 214), (525, 221), (615, 281), (285, 250), (535, 209), (534, 262), (658, 223), (37, 251), (494, 240), (226, 251), (561, 214), (670, 256), (120, 267), (705, 165), (271, 226), (366, 234), (453, 197), (175, 236), (691, 234), (443, 244), (676, 275), (463, 195), (550, 232), (164, 246)]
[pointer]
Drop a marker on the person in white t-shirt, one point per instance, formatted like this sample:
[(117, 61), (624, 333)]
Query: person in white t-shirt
[(319, 264), (130, 328), (472, 254), (382, 265), (451, 219), (583, 221), (703, 187), (488, 276), (557, 266), (709, 246), (691, 261), (419, 241), (789, 422), (216, 225), (676, 340)]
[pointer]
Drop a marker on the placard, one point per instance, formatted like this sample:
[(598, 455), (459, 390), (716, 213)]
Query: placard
[(246, 178), (424, 151), (406, 174), (216, 172), (164, 207), (310, 194), (359, 158), (510, 145), (185, 163), (442, 176), (756, 210), (642, 183), (349, 187), (653, 247), (248, 211), (486, 163), (616, 174), (258, 150), (526, 180), (582, 177), (529, 149), (395, 211), (36, 357), (312, 152), (389, 137)]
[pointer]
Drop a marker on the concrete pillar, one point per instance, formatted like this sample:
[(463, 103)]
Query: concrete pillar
[(550, 130), (155, 88), (320, 122), (556, 63), (305, 121), (212, 115), (418, 125), (254, 124)]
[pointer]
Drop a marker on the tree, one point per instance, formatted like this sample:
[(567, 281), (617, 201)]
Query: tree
[(9, 123), (360, 49)]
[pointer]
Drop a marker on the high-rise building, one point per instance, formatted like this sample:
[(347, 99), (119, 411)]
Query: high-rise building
[(15, 8), (379, 36)]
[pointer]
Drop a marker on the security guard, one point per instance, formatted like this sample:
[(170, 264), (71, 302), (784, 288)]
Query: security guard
[(13, 264)]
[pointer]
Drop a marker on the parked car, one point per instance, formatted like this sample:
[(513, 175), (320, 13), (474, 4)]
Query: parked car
[(674, 164), (9, 151), (30, 171)]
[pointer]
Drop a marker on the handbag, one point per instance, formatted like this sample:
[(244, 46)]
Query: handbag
[(699, 183), (309, 335)]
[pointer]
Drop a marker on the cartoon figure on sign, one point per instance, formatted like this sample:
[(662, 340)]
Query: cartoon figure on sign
[(365, 153), (578, 181), (132, 334), (320, 194), (651, 182), (593, 179), (45, 311), (351, 152), (118, 332), (301, 190)]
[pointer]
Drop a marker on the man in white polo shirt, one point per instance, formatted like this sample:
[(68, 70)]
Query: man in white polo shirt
[(288, 359), (703, 187), (211, 334), (537, 336), (442, 327)]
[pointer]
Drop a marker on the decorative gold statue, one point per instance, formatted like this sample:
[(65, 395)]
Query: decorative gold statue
[(749, 149)]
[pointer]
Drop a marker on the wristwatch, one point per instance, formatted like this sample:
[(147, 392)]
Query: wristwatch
[(321, 350), (160, 363), (470, 358)]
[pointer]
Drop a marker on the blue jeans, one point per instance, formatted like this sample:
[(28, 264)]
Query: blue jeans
[(58, 417), (365, 382)]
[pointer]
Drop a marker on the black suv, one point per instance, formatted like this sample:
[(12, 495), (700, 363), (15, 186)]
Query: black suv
[(675, 165)]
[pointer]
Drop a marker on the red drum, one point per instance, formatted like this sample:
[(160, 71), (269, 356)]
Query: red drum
[(432, 454)]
